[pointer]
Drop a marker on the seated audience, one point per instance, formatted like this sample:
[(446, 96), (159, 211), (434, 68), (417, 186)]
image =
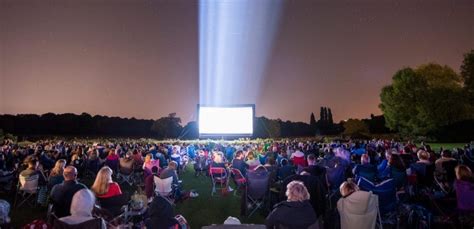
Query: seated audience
[(103, 186), (34, 168), (295, 212), (56, 175), (239, 163), (82, 205), (61, 194), (251, 161), (149, 163), (365, 169), (126, 164), (446, 155)]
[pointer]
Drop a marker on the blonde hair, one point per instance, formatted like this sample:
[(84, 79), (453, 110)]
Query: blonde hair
[(348, 187), (250, 156), (296, 191), (102, 181), (423, 155), (463, 173), (58, 168), (218, 157)]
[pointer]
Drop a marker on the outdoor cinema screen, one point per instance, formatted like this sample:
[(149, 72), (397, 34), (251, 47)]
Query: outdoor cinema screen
[(228, 120)]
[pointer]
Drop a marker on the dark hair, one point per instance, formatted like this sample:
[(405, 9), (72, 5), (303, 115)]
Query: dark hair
[(311, 157), (239, 153), (396, 162), (154, 170), (446, 153), (284, 161)]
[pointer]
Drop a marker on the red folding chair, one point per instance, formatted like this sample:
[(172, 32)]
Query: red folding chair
[(239, 179), (218, 178)]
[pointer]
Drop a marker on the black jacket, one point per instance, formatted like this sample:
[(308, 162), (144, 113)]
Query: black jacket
[(316, 189), (292, 214), (62, 194)]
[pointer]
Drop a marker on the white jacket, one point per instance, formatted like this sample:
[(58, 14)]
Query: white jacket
[(82, 205), (358, 210)]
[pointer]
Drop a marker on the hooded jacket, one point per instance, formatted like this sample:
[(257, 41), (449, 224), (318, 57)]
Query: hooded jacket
[(358, 210), (82, 205), (291, 214)]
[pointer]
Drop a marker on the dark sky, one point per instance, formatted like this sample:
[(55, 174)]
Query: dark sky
[(135, 58)]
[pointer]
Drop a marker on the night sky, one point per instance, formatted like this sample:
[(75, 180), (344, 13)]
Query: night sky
[(135, 58)]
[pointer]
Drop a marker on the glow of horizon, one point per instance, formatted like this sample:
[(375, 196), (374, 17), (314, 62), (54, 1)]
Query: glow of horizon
[(235, 40)]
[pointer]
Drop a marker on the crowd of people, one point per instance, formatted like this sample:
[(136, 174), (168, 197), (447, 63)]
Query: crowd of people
[(308, 184)]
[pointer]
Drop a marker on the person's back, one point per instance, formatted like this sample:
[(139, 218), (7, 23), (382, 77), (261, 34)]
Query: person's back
[(82, 205), (295, 214), (126, 165), (358, 210), (62, 194), (314, 187), (240, 164)]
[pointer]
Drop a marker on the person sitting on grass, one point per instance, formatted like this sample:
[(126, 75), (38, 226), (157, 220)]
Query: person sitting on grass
[(62, 194), (103, 186), (170, 171)]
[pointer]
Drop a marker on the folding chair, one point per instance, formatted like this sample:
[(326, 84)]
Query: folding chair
[(387, 195), (257, 189), (445, 180), (164, 188), (125, 175), (27, 189), (238, 179), (112, 209), (218, 178)]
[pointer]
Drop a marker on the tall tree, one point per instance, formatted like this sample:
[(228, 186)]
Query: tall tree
[(312, 120), (330, 121), (321, 115), (420, 101)]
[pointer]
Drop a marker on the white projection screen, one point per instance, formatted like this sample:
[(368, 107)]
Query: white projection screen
[(226, 120)]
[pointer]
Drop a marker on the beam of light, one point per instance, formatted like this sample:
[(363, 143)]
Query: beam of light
[(235, 40)]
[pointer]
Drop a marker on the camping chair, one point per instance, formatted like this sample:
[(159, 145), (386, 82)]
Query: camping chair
[(238, 179), (465, 201), (6, 182), (164, 188), (218, 178), (200, 165), (446, 179), (125, 175), (257, 189), (95, 223), (387, 195), (367, 173), (113, 164), (112, 209), (27, 189)]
